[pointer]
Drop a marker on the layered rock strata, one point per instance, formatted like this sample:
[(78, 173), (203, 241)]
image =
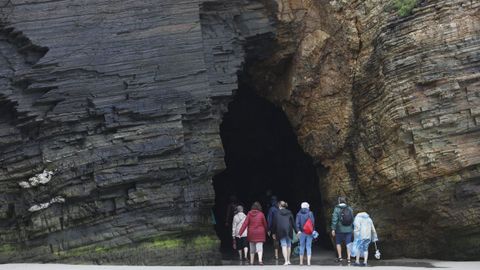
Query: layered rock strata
[(389, 105), (122, 103)]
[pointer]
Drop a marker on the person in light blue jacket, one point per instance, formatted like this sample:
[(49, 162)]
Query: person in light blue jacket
[(364, 233)]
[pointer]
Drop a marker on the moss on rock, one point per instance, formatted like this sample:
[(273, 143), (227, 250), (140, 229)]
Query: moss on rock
[(405, 7)]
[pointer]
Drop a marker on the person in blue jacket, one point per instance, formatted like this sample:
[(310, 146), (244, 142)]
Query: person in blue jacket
[(305, 238)]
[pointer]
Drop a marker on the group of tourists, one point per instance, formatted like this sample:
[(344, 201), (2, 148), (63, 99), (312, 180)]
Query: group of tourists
[(249, 231), (357, 234)]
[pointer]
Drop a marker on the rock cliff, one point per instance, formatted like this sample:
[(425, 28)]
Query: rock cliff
[(109, 126), (389, 105), (110, 114)]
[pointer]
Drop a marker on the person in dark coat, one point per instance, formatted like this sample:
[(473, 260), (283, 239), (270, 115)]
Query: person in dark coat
[(272, 211), (257, 230), (283, 227)]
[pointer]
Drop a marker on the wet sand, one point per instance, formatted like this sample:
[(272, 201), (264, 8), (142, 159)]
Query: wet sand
[(322, 259)]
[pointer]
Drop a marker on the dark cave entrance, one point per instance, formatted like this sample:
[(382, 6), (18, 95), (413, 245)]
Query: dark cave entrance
[(262, 154)]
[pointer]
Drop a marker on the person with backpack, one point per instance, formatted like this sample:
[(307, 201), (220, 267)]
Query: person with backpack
[(364, 234), (342, 226), (257, 230), (272, 211), (240, 240), (305, 224), (283, 228)]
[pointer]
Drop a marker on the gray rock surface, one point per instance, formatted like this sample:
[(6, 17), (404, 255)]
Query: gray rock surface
[(123, 101)]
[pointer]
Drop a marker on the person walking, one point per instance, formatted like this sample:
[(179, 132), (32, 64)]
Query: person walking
[(342, 226), (305, 224), (240, 240), (257, 230), (230, 211), (364, 233), (272, 211), (283, 228)]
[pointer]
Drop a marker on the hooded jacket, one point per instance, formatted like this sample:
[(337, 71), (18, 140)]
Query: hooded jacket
[(302, 217), (364, 228), (271, 214), (283, 224), (337, 225), (237, 223), (257, 226)]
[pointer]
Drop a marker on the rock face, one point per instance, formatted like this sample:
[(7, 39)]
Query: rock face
[(122, 101), (418, 93), (389, 105)]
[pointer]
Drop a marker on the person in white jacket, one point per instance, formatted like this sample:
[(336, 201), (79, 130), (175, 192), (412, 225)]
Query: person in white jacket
[(240, 241), (364, 233)]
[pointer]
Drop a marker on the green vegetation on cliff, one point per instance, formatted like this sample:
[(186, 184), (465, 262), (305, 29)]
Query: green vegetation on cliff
[(165, 242), (6, 248), (405, 7)]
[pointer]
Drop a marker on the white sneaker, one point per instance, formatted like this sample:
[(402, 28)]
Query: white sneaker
[(286, 263), (289, 262)]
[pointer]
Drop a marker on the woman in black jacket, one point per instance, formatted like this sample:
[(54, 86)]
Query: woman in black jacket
[(283, 227)]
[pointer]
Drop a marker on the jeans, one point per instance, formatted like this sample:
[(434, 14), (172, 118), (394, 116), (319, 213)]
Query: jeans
[(286, 242), (305, 242)]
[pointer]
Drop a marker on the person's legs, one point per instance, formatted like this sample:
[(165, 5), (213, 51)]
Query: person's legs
[(243, 247), (285, 255), (357, 250), (289, 253), (339, 238), (289, 249), (276, 247), (302, 242), (309, 249), (348, 240), (362, 250), (259, 247), (252, 252), (339, 251), (365, 250), (283, 244), (238, 246)]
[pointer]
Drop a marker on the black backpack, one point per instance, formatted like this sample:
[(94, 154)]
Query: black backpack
[(346, 216)]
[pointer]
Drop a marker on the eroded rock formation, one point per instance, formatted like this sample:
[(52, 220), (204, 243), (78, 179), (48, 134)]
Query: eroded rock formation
[(389, 105), (122, 101)]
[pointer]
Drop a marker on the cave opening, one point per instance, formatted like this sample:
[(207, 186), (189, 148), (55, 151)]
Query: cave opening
[(263, 157)]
